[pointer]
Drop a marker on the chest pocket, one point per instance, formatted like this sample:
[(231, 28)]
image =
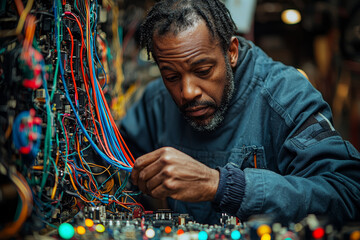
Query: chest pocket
[(244, 157), (249, 157)]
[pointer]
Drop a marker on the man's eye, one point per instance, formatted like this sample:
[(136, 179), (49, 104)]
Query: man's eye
[(172, 78), (203, 72)]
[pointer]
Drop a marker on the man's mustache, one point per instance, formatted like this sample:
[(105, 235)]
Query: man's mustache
[(195, 103)]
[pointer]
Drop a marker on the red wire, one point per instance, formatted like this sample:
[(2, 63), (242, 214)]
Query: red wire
[(92, 81), (71, 67), (67, 139), (117, 133), (85, 80)]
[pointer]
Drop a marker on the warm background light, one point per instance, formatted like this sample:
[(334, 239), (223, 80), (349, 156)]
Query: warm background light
[(291, 16)]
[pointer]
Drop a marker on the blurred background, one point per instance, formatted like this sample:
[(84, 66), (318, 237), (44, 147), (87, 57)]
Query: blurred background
[(320, 37)]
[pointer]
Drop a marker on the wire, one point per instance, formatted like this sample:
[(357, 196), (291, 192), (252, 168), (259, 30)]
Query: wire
[(72, 69), (23, 14), (26, 201)]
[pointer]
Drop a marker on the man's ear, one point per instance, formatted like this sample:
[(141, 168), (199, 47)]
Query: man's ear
[(233, 52)]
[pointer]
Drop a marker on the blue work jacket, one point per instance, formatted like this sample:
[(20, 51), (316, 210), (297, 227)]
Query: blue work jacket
[(276, 150)]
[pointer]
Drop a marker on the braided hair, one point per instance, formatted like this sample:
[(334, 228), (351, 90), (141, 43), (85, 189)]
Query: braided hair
[(177, 15)]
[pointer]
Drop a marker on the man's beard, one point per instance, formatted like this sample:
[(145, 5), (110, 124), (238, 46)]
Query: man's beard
[(218, 116)]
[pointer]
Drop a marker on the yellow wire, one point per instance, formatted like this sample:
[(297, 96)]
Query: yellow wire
[(75, 188), (23, 16), (9, 129), (127, 195), (20, 25), (26, 199), (95, 165), (55, 187)]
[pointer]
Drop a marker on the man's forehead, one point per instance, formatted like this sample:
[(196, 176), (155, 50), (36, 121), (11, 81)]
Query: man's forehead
[(197, 29), (196, 37)]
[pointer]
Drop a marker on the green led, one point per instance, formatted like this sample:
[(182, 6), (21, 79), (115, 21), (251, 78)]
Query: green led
[(66, 231), (203, 235), (236, 235)]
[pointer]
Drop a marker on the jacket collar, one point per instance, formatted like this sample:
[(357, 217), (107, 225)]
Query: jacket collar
[(244, 72)]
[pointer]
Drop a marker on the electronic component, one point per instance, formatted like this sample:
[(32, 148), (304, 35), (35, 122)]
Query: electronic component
[(58, 133)]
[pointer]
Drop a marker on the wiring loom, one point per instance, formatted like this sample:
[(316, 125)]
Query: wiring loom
[(65, 144)]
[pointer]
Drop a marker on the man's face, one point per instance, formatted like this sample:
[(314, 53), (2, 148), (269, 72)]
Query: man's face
[(197, 74)]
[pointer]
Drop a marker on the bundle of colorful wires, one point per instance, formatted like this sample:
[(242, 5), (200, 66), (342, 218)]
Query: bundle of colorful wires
[(114, 150)]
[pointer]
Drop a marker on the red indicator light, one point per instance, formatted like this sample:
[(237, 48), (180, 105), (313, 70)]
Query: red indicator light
[(168, 229), (318, 233)]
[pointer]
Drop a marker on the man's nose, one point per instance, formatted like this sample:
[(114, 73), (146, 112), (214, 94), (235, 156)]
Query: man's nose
[(190, 89)]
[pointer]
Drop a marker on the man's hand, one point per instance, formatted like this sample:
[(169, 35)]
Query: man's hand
[(167, 172)]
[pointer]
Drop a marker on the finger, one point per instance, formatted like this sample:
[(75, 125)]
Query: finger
[(134, 176), (141, 163), (142, 187), (146, 175), (161, 176), (163, 190), (147, 159)]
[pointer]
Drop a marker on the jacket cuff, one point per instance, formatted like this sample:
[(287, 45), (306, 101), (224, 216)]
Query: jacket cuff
[(231, 189)]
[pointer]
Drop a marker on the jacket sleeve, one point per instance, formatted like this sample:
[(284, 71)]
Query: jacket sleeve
[(317, 171), (318, 174)]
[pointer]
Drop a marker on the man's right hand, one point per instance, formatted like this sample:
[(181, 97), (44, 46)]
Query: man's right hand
[(168, 172)]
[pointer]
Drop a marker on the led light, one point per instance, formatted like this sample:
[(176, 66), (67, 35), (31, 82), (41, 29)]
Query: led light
[(236, 235), (266, 236), (179, 232), (100, 228), (80, 230), (168, 229), (150, 233), (263, 229), (298, 227), (291, 16), (318, 233), (203, 235), (355, 235), (66, 231), (89, 223)]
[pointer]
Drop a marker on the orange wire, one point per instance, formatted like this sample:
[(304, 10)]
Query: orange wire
[(57, 156), (85, 79), (81, 160), (255, 162), (94, 94), (117, 133), (26, 198), (19, 6), (71, 67), (38, 167), (92, 80), (75, 188)]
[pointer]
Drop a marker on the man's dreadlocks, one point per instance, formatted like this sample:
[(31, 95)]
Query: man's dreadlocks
[(177, 15)]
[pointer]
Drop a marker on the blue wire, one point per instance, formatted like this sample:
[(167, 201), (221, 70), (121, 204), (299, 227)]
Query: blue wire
[(105, 157), (110, 136)]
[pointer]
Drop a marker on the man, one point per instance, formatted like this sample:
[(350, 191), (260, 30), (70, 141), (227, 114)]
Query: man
[(227, 129)]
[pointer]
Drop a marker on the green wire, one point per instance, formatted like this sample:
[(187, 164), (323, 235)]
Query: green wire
[(66, 148), (47, 144), (18, 208), (55, 79), (58, 40), (123, 184)]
